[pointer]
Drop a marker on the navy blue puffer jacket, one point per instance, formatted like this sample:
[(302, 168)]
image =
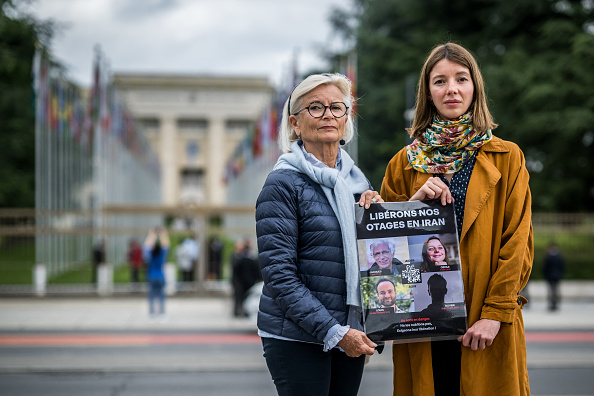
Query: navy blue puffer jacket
[(301, 257)]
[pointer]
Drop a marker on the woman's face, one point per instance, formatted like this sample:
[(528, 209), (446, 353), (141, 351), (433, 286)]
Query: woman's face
[(326, 129), (451, 89), (435, 251)]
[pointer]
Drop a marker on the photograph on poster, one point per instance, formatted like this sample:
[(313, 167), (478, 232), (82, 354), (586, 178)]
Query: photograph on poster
[(386, 294), (439, 294), (434, 252), (381, 256)]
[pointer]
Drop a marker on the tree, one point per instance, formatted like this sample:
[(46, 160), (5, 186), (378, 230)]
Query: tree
[(542, 87), (536, 57), (17, 150), (18, 36)]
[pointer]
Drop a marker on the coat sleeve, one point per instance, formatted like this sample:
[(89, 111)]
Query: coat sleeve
[(516, 251), (396, 186), (277, 228)]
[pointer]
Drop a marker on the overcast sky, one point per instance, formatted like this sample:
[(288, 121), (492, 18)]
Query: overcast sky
[(220, 37)]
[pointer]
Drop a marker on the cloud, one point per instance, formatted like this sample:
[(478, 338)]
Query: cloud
[(256, 37), (134, 10)]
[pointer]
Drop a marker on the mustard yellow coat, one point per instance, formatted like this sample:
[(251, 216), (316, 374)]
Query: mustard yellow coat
[(496, 252)]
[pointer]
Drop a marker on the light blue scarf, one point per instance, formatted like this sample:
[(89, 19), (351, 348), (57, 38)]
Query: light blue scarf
[(339, 187)]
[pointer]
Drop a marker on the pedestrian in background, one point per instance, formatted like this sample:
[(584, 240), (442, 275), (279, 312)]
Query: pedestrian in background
[(253, 274), (553, 269), (215, 253), (187, 257), (156, 249), (135, 260), (245, 272), (98, 258)]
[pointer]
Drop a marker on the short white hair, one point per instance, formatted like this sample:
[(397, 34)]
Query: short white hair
[(287, 135), (379, 242)]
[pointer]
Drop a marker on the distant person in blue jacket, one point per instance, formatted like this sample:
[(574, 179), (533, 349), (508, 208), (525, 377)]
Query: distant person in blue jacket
[(155, 250), (310, 316)]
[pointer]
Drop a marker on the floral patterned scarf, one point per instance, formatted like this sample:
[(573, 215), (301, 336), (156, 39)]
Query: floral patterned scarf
[(446, 145)]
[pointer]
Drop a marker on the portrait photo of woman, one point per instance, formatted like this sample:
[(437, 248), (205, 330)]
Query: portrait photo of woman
[(435, 256)]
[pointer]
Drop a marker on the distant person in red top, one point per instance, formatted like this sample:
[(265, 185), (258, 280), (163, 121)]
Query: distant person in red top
[(135, 259)]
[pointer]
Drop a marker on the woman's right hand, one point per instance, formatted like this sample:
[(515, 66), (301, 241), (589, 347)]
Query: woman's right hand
[(355, 343), (434, 188)]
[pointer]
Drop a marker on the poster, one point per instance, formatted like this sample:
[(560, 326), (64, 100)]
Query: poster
[(411, 277)]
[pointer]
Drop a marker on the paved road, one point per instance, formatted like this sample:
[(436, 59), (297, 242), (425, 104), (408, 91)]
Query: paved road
[(109, 346), (574, 382)]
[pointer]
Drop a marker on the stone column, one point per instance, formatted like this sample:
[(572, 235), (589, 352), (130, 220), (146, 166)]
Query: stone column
[(168, 157), (215, 190)]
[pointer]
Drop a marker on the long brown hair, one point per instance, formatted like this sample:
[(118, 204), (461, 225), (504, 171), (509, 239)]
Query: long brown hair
[(425, 109)]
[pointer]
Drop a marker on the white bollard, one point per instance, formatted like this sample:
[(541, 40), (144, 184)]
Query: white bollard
[(170, 279), (105, 279), (40, 279)]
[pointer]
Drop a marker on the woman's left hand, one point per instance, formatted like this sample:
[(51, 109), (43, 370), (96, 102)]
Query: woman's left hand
[(355, 343), (481, 334), (369, 197)]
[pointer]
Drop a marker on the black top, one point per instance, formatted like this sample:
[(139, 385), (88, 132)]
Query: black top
[(446, 378), (458, 187)]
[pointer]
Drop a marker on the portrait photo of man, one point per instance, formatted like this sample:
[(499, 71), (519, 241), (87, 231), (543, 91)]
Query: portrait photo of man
[(382, 251), (386, 294), (437, 288)]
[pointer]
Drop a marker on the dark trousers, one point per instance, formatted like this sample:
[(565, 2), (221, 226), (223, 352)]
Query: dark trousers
[(300, 368), (446, 361), (239, 294), (553, 294), (135, 275)]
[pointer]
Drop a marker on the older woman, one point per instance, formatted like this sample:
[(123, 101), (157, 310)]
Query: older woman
[(310, 310), (455, 154)]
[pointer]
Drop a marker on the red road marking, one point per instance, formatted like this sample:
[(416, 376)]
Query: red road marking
[(140, 339), (566, 336), (48, 340)]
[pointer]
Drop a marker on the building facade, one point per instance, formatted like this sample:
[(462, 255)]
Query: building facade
[(194, 124)]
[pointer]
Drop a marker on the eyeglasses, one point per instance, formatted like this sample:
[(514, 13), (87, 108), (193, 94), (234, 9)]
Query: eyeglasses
[(317, 109)]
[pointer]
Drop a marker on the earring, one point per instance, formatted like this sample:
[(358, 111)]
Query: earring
[(342, 142), (300, 142)]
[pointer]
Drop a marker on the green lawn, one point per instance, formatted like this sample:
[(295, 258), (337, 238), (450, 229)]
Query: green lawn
[(578, 250), (17, 259)]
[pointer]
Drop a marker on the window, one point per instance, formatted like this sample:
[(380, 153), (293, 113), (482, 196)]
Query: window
[(192, 151), (187, 124)]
